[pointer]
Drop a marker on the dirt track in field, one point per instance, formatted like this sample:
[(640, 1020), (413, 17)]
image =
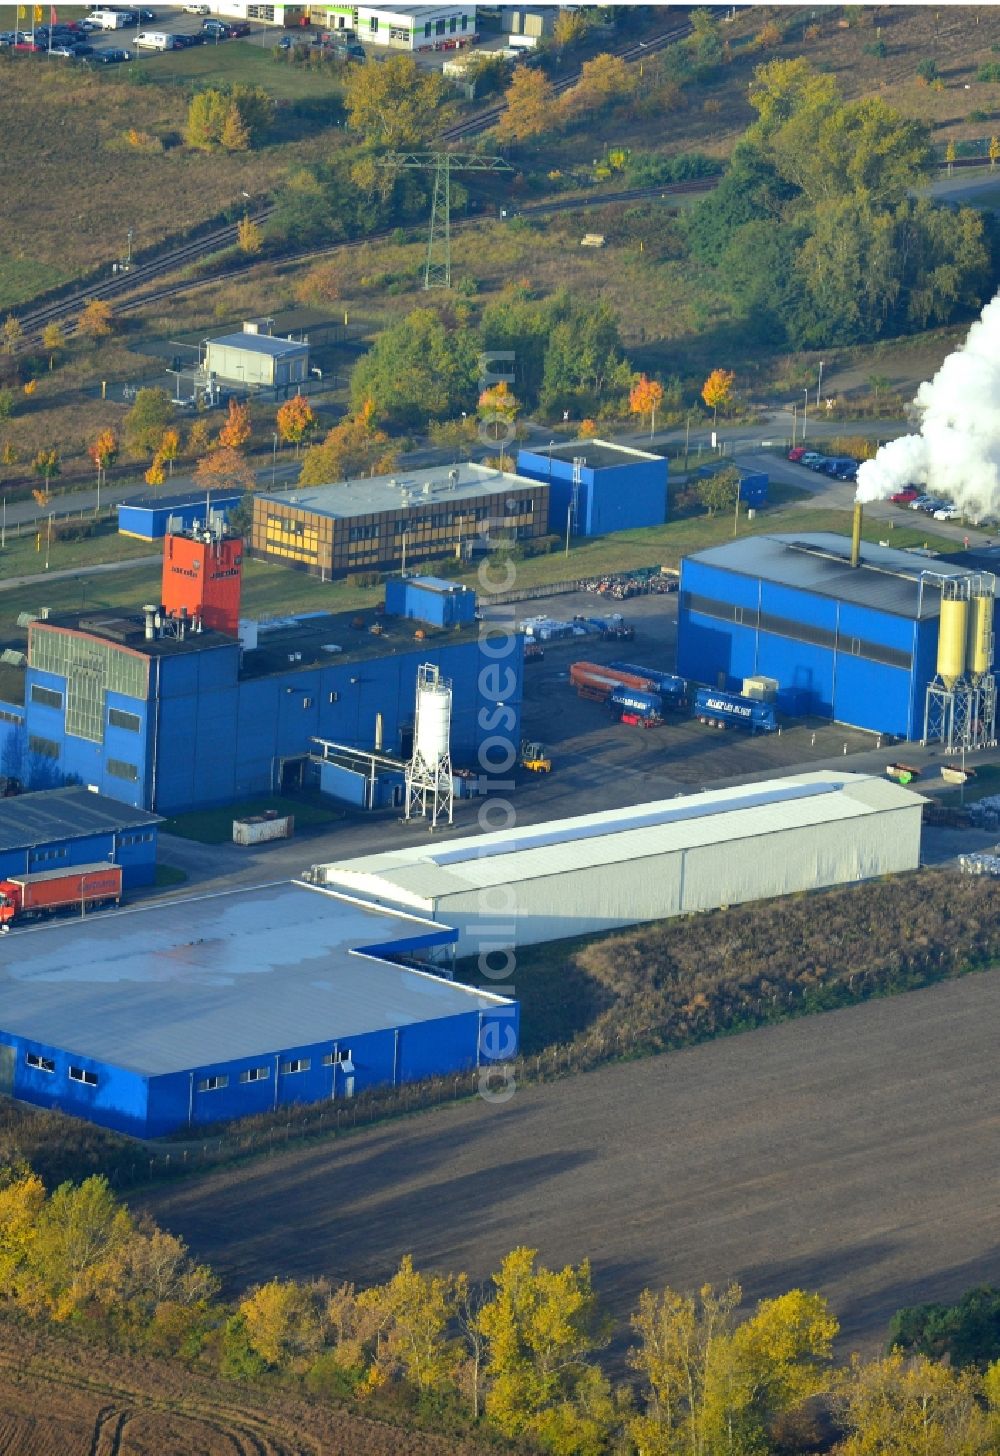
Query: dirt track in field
[(854, 1153)]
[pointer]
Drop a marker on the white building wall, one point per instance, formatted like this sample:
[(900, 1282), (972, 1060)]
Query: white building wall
[(587, 901)]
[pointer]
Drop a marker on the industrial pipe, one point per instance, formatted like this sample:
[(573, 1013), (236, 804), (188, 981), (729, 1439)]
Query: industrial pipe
[(856, 534)]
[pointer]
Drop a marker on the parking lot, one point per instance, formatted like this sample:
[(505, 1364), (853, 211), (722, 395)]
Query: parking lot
[(86, 41)]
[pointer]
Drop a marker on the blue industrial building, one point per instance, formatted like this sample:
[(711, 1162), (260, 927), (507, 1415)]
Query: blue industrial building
[(60, 828), (177, 722), (598, 486), (430, 599), (151, 520), (198, 1011), (856, 644), (753, 483)]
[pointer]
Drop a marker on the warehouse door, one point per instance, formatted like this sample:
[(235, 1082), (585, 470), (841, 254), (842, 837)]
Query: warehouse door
[(7, 1055)]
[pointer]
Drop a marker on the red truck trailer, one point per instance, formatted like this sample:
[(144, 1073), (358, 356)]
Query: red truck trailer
[(84, 887), (592, 680)]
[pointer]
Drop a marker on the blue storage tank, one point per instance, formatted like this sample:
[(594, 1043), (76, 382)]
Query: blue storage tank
[(732, 710)]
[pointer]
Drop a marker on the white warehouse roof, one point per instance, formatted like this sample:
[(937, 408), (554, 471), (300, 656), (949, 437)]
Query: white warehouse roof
[(648, 862)]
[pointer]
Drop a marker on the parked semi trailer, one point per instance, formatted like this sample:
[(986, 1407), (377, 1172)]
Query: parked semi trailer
[(591, 680), (672, 689), (84, 887), (729, 710), (629, 705)]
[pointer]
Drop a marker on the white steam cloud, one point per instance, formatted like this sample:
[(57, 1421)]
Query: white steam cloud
[(957, 451)]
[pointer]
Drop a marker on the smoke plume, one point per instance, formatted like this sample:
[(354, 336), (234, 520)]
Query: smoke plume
[(956, 453)]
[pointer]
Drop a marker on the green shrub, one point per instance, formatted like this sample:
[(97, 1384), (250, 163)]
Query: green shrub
[(364, 579), (878, 49), (989, 72)]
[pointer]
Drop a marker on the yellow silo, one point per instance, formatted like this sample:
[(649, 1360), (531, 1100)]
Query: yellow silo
[(951, 640), (980, 635)]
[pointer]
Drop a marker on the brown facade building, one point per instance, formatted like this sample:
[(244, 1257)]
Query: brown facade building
[(388, 522)]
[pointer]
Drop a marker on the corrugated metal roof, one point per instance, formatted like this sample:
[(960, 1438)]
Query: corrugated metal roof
[(887, 579), (260, 344), (73, 813), (422, 875), (249, 973)]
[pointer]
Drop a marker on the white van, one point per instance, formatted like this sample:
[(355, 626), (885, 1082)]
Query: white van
[(155, 40)]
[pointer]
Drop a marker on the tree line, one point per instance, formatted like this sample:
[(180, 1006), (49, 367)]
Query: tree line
[(521, 1357)]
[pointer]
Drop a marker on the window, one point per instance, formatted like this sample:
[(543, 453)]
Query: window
[(439, 28), (118, 719), (299, 1064), (213, 1084), (334, 697), (373, 24), (307, 702), (465, 22), (48, 697), (255, 1074), (80, 1074), (333, 1059), (119, 769), (427, 28), (40, 1064), (453, 23), (44, 747), (6, 717)]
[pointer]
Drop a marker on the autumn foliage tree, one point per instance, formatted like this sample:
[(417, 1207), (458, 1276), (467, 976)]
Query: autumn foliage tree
[(249, 237), (396, 103), (226, 468), (529, 107), (295, 420), (354, 447), (95, 322), (152, 412), (11, 334), (645, 398), (46, 464), (236, 430), (103, 452), (53, 341), (717, 391)]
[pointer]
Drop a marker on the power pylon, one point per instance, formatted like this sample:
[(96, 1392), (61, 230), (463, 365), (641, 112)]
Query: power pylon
[(437, 272)]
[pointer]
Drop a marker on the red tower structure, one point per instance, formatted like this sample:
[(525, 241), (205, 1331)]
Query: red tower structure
[(203, 578)]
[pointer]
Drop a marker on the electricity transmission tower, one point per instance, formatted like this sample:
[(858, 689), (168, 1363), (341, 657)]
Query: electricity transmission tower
[(437, 272)]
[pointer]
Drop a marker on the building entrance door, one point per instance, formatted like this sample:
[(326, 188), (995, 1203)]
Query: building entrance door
[(7, 1055)]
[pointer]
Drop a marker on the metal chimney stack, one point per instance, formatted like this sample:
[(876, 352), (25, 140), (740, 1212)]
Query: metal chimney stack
[(856, 534)]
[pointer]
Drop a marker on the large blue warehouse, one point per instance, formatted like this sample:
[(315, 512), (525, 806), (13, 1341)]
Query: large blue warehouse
[(207, 1009), (598, 486), (858, 644), (151, 520), (60, 828)]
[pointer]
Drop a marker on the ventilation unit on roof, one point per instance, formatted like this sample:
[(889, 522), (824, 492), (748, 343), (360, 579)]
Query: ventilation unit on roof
[(25, 619), (12, 657), (426, 488)]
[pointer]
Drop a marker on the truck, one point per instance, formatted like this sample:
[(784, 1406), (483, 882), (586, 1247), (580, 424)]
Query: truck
[(730, 710), (628, 705), (47, 892), (671, 688), (596, 682), (109, 19), (154, 40)]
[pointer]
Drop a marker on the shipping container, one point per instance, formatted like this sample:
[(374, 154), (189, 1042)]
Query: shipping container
[(260, 828), (27, 896), (724, 710)]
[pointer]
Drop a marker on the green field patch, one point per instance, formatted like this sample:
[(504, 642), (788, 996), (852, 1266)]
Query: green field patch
[(215, 826)]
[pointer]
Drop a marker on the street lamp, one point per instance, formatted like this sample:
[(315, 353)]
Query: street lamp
[(819, 386), (805, 410), (274, 459)]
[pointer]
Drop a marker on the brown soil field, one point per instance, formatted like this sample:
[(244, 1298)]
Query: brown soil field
[(59, 1397), (851, 1153)]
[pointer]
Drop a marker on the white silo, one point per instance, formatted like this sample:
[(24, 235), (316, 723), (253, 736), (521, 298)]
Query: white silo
[(428, 774)]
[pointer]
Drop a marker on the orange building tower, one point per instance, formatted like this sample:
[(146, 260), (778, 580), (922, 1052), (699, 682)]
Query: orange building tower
[(203, 578)]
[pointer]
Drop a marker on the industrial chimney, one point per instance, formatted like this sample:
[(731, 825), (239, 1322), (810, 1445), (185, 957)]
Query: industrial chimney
[(856, 534)]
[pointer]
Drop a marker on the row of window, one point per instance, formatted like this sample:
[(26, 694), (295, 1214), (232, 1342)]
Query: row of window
[(41, 856), (261, 1074), (137, 838), (119, 769), (796, 631), (47, 1064), (47, 697), (6, 717)]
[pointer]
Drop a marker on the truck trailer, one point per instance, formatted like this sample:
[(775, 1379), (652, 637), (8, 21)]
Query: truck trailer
[(628, 705), (591, 680), (729, 710), (47, 892), (672, 689)]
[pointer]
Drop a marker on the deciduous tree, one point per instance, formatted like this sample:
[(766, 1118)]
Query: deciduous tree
[(235, 134), (150, 415), (418, 369), (295, 419), (603, 80), (237, 428), (169, 448), (11, 334), (96, 320), (719, 491), (396, 103), (226, 468), (53, 341), (645, 398), (529, 109), (249, 237), (717, 391), (46, 464), (103, 452), (412, 1314), (354, 447), (898, 1406), (283, 1322)]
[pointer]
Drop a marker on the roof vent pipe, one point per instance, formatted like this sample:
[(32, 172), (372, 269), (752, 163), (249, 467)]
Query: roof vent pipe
[(856, 534)]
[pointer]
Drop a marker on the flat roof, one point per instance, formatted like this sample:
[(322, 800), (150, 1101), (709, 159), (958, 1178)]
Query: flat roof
[(417, 11), (128, 629), (194, 497), (887, 580), (420, 875), (218, 978), (74, 813), (446, 483), (599, 453), (260, 344), (438, 584)]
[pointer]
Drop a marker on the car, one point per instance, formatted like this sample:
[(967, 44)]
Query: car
[(948, 512), (181, 42), (796, 453), (808, 456), (919, 501), (215, 27), (819, 463), (931, 505), (63, 50), (905, 496), (196, 10), (237, 28), (81, 49), (112, 56)]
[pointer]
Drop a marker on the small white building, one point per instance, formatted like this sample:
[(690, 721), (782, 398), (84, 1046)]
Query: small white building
[(253, 360), (417, 27), (650, 862)]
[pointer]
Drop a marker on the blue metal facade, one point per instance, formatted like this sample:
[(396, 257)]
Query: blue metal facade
[(148, 520), (205, 736), (429, 599), (609, 498), (834, 659)]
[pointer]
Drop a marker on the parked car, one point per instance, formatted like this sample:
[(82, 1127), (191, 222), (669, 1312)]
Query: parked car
[(81, 49), (905, 496), (63, 50), (819, 463), (112, 56), (796, 453), (947, 513), (809, 456), (214, 27)]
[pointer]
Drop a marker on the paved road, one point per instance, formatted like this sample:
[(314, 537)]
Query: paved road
[(853, 1153)]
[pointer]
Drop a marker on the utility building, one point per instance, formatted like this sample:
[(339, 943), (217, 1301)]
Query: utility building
[(417, 27), (256, 361), (596, 487), (60, 828), (389, 522), (169, 1016), (855, 643), (602, 871)]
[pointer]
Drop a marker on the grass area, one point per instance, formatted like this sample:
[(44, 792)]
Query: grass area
[(168, 876), (24, 555), (248, 62), (215, 826), (23, 278), (983, 786)]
